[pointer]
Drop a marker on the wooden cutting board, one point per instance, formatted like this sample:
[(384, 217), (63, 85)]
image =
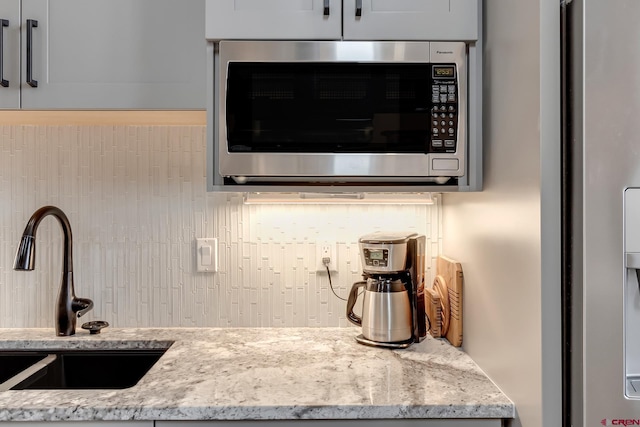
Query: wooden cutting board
[(451, 271)]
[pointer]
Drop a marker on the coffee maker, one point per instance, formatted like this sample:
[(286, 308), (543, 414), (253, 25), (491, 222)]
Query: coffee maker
[(393, 311)]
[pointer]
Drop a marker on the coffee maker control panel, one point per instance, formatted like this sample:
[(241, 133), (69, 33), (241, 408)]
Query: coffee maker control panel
[(376, 257), (383, 258), (382, 253)]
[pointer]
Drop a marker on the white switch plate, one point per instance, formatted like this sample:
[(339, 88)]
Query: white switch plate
[(207, 255), (326, 249)]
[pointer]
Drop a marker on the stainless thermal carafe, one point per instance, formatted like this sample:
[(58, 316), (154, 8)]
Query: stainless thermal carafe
[(386, 311), (393, 312)]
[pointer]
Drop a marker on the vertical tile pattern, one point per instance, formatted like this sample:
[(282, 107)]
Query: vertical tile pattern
[(136, 199)]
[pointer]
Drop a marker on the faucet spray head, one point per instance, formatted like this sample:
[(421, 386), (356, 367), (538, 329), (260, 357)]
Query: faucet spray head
[(26, 254)]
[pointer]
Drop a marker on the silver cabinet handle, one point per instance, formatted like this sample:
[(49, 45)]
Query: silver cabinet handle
[(31, 24), (358, 7), (3, 23), (327, 10)]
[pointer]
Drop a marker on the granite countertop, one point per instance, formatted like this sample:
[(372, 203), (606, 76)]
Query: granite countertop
[(263, 373)]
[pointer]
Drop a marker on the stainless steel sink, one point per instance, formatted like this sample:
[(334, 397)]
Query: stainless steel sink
[(76, 369)]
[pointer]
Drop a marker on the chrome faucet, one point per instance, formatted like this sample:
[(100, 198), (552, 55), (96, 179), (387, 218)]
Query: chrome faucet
[(69, 307)]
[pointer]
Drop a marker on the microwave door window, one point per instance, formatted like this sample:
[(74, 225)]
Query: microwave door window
[(328, 107)]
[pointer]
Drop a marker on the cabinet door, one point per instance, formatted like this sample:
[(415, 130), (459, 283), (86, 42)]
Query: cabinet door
[(274, 19), (434, 422), (114, 54), (77, 423), (411, 20), (10, 53)]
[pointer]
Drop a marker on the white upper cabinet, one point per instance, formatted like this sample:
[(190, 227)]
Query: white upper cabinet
[(10, 54), (343, 19), (431, 20), (274, 19), (108, 54)]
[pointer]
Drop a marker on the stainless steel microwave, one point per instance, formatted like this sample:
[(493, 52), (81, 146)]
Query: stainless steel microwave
[(340, 113)]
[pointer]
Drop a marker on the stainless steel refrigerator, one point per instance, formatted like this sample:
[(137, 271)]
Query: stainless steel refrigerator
[(601, 202)]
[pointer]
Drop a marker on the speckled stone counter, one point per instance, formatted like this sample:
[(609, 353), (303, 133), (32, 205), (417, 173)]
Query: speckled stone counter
[(263, 373)]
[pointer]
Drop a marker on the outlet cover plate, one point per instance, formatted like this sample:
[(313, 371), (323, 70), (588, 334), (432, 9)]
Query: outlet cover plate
[(321, 249), (207, 255)]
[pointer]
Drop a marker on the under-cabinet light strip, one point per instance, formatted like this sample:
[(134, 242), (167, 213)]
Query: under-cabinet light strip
[(338, 198)]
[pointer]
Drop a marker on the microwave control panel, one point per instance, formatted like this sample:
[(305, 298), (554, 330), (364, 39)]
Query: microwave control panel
[(444, 108)]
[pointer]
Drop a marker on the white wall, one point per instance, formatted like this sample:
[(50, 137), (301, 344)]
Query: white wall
[(135, 196), (508, 237)]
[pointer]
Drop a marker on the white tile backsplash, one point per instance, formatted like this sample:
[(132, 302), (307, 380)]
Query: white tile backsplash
[(136, 200)]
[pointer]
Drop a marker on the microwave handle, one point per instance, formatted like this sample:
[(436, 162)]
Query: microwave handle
[(358, 7), (327, 10)]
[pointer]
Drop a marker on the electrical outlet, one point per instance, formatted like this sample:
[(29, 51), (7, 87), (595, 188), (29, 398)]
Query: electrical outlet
[(326, 250)]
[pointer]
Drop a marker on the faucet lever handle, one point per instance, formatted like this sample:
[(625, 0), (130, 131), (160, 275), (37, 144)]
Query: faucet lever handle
[(81, 306)]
